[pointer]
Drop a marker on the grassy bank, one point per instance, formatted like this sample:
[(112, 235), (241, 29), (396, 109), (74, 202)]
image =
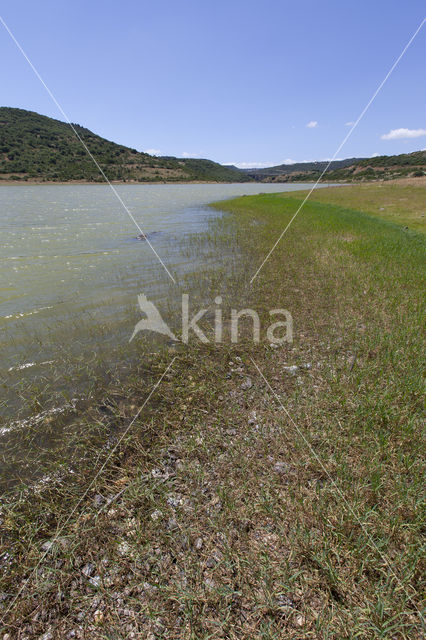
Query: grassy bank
[(261, 492), (400, 201)]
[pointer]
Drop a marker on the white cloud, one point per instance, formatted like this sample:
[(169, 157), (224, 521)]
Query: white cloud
[(191, 154), (312, 124), (250, 165), (350, 123), (259, 165), (401, 134), (375, 155), (321, 160), (153, 152)]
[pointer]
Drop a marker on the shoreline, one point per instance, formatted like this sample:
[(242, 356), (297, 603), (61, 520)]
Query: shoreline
[(103, 182), (213, 502), (135, 183), (406, 180)]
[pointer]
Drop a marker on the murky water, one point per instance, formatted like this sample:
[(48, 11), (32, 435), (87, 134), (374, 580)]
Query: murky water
[(70, 259), (66, 248)]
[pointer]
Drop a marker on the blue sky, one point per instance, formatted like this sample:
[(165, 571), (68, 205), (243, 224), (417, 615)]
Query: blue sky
[(233, 81)]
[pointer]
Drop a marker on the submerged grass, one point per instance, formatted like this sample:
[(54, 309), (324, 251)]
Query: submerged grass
[(249, 500)]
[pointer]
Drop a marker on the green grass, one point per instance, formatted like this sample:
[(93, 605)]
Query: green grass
[(401, 203), (218, 515)]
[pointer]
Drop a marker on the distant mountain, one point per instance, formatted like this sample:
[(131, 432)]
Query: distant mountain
[(351, 169), (284, 169), (35, 147)]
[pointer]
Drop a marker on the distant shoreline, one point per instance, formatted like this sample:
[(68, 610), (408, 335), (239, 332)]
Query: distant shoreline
[(12, 183), (117, 182), (113, 182)]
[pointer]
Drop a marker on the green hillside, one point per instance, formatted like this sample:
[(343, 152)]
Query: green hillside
[(303, 167), (351, 169), (37, 148)]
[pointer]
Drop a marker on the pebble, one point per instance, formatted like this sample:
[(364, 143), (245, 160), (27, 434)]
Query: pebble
[(292, 369), (95, 581), (158, 473), (123, 549), (285, 602), (281, 467), (214, 559), (253, 418), (209, 583), (173, 501), (300, 621), (98, 616), (63, 542), (198, 543), (247, 384), (98, 500), (172, 524), (156, 515), (88, 569)]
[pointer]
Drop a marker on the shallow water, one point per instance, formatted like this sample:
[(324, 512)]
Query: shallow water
[(64, 249), (70, 260)]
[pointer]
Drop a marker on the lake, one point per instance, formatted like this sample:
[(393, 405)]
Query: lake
[(70, 260)]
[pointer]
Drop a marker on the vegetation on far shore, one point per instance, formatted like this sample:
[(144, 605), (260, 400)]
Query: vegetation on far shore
[(262, 492), (404, 165), (37, 148)]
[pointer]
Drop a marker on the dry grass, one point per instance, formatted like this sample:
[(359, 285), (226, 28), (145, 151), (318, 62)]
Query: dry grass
[(400, 201), (218, 516)]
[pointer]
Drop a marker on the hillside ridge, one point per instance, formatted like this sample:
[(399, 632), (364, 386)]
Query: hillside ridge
[(35, 147), (349, 169)]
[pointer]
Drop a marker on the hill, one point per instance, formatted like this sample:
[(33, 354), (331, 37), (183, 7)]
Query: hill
[(34, 147), (350, 169)]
